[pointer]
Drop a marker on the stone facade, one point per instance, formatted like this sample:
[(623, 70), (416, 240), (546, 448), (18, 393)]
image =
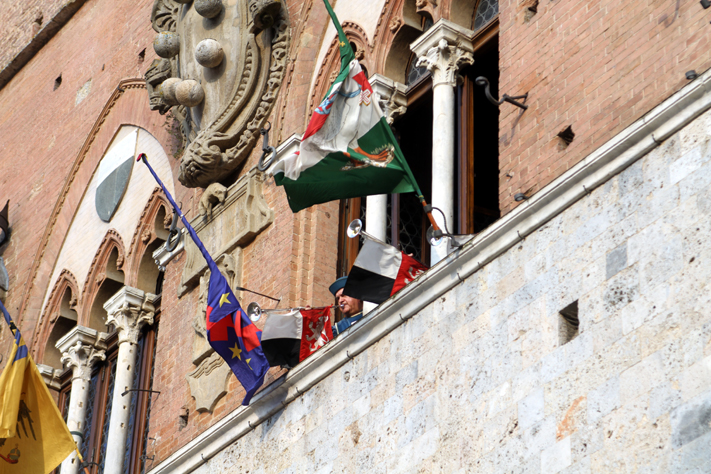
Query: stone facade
[(480, 381)]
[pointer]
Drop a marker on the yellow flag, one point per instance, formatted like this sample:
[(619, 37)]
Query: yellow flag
[(33, 436)]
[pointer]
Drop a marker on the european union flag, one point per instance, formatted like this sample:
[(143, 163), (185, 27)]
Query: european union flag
[(229, 331)]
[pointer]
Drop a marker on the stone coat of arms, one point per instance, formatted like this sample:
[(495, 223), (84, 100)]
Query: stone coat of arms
[(223, 62)]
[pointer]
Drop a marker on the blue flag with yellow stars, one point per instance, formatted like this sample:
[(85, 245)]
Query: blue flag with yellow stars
[(229, 331)]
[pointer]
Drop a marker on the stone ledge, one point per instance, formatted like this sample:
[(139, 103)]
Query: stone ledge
[(623, 150)]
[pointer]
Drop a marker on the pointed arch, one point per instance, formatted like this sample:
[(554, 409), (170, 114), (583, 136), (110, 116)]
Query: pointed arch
[(59, 316), (105, 278), (151, 232), (332, 61)]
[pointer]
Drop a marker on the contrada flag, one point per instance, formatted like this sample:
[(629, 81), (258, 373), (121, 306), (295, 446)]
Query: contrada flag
[(348, 149), (380, 271), (229, 331), (292, 335), (33, 436)]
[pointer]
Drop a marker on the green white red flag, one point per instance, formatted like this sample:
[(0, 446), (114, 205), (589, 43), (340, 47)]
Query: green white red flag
[(348, 149)]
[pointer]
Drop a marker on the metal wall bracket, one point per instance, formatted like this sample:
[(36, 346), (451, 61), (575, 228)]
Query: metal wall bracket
[(266, 150), (482, 81)]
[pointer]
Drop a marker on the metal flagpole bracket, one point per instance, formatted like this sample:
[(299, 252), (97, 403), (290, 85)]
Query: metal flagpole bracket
[(482, 81), (263, 165)]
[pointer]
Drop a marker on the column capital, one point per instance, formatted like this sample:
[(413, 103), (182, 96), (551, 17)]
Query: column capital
[(80, 348), (128, 311), (443, 50), (390, 96), (50, 376)]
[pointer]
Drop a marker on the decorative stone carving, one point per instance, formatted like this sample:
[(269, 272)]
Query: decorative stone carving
[(235, 222), (209, 53), (158, 72), (81, 348), (213, 195), (208, 8), (231, 267), (189, 93), (208, 382), (390, 96), (443, 50), (166, 44), (128, 311), (443, 61), (239, 92), (395, 24)]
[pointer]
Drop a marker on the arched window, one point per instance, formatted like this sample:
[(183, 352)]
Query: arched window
[(485, 12)]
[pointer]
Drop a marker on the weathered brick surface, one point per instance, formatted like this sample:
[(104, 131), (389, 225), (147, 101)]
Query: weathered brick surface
[(20, 22), (596, 66), (479, 380)]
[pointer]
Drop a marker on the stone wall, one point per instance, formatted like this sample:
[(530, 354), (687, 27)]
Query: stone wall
[(481, 379)]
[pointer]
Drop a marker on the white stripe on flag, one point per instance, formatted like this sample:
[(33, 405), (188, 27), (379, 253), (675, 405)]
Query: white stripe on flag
[(287, 324), (379, 258)]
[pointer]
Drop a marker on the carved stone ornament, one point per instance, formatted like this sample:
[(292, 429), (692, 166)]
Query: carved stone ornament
[(443, 61), (235, 222), (81, 348), (231, 268), (208, 382), (395, 24), (221, 129), (129, 311)]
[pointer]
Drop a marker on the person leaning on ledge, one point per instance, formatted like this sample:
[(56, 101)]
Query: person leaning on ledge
[(351, 308)]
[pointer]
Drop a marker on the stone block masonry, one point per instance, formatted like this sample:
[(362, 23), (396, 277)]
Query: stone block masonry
[(478, 381)]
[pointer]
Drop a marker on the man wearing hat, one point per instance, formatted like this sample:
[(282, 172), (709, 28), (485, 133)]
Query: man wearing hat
[(351, 308)]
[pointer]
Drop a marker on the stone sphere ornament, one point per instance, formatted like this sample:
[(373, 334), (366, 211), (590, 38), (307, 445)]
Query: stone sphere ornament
[(167, 90), (167, 44), (208, 8), (209, 53), (189, 93)]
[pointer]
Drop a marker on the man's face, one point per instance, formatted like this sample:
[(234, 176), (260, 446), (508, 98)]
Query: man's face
[(349, 306)]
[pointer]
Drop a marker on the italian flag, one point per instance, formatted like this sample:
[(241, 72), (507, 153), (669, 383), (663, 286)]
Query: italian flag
[(348, 149), (291, 335), (379, 271)]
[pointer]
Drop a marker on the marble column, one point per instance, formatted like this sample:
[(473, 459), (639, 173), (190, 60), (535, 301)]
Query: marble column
[(81, 348), (390, 96), (129, 311), (443, 50)]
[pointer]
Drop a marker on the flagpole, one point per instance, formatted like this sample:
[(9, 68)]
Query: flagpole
[(191, 231), (346, 56)]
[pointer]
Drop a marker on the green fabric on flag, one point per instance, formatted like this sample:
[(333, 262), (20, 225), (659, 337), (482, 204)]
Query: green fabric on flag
[(337, 177)]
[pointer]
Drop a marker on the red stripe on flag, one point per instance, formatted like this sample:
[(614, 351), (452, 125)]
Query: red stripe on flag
[(408, 271), (250, 337)]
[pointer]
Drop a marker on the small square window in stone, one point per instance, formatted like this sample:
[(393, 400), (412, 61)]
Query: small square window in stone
[(485, 12), (568, 323)]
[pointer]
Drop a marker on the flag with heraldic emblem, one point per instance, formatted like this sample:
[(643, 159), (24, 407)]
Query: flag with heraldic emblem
[(229, 331)]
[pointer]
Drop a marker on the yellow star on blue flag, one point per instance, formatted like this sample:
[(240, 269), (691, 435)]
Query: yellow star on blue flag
[(223, 299)]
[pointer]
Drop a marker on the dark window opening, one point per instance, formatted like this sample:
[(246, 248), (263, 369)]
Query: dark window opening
[(569, 323), (414, 133), (477, 185)]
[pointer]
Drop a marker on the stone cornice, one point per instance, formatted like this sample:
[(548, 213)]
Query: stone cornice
[(610, 159), (391, 96)]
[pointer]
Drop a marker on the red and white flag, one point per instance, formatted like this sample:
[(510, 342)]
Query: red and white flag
[(380, 271), (291, 335)]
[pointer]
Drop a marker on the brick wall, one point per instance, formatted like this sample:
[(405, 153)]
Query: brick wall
[(595, 66), (480, 380), (20, 22)]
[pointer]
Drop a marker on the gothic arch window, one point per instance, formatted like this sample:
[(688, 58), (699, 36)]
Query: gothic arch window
[(105, 279), (60, 317)]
